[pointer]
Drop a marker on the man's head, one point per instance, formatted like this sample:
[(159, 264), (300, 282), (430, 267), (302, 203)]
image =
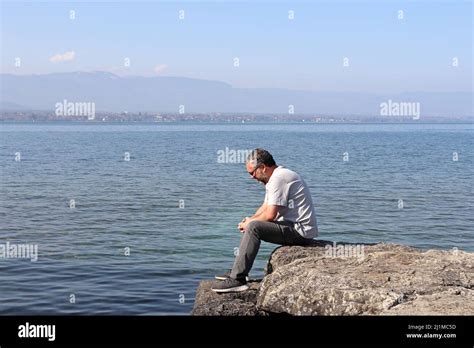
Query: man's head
[(260, 165)]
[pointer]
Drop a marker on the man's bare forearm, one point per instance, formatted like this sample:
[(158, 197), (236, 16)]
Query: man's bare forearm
[(268, 213), (264, 213), (263, 216), (259, 211)]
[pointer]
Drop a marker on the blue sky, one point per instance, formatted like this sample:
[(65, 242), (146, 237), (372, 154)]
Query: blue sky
[(385, 54)]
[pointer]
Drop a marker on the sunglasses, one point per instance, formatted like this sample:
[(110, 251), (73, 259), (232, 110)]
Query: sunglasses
[(253, 171)]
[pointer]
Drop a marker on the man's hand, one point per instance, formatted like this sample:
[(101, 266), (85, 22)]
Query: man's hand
[(241, 226)]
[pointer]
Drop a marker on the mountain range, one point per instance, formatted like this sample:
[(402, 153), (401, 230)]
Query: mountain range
[(113, 93)]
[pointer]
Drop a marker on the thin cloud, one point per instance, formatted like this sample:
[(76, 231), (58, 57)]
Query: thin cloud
[(67, 56), (160, 68)]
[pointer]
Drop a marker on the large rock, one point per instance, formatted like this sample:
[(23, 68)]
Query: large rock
[(240, 303), (353, 279)]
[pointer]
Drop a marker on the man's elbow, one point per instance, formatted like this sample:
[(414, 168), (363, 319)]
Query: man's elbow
[(271, 215), (269, 218)]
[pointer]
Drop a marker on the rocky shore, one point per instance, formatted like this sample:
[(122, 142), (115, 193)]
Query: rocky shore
[(352, 279)]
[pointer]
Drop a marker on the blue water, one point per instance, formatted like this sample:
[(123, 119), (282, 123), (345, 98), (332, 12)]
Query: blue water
[(135, 204)]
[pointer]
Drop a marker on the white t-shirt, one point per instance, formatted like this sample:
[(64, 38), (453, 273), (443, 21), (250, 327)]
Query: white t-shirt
[(288, 190)]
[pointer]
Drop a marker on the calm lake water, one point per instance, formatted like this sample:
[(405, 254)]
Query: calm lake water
[(135, 204)]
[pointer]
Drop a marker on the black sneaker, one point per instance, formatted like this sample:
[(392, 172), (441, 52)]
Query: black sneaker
[(226, 275), (230, 285)]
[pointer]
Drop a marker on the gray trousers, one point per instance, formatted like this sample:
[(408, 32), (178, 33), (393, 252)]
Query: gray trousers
[(277, 232)]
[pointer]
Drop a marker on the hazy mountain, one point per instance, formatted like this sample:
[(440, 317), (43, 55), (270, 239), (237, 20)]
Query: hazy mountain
[(164, 94)]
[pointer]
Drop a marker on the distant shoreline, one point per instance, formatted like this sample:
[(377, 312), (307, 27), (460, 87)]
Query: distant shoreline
[(157, 117), (194, 122)]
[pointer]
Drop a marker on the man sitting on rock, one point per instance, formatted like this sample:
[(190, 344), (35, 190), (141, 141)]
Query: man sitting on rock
[(286, 217)]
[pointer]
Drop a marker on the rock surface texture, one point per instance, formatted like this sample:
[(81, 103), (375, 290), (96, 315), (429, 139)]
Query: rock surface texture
[(350, 279)]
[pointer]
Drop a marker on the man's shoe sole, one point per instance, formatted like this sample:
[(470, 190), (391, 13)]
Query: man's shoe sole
[(236, 289), (224, 278)]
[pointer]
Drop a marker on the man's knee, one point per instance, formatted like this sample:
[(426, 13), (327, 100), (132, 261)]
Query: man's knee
[(253, 226)]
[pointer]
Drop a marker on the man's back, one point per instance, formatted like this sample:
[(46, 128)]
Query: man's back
[(287, 189)]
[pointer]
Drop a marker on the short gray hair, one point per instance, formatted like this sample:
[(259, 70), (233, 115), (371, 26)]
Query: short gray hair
[(260, 156)]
